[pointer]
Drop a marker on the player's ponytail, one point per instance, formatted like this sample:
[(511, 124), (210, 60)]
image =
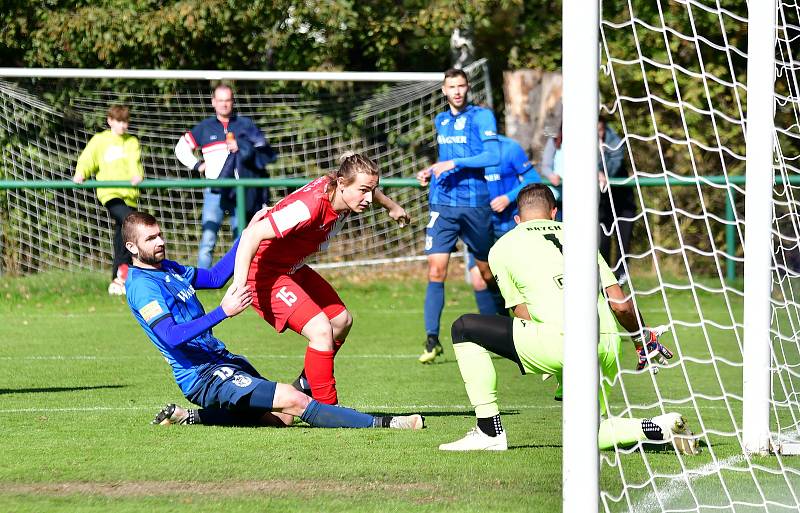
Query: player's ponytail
[(351, 163)]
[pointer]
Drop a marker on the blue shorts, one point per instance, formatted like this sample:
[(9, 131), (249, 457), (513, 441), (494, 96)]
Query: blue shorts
[(471, 258), (224, 385), (473, 225)]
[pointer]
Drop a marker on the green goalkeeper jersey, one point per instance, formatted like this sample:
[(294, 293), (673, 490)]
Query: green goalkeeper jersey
[(528, 266)]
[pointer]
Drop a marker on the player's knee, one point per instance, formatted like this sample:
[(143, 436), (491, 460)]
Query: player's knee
[(299, 401), (437, 273), (342, 322), (460, 330), (289, 400), (478, 283)]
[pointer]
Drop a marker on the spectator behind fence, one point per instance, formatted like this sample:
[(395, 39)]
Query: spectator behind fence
[(114, 155), (232, 147), (551, 167), (615, 202)]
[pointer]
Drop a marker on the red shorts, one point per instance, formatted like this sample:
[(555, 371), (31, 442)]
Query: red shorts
[(291, 300)]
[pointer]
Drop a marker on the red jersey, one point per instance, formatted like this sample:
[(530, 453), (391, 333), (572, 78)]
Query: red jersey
[(303, 222)]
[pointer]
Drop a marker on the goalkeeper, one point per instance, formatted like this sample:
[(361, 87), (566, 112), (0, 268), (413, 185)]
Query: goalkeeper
[(162, 297), (534, 340)]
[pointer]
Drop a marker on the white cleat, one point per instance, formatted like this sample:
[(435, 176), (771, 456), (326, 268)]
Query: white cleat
[(415, 421), (477, 440), (675, 428), (171, 414)]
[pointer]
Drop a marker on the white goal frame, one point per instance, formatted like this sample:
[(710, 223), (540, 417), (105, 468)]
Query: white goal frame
[(581, 377)]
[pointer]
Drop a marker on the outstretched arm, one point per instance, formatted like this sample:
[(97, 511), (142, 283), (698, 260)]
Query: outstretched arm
[(490, 156), (174, 334), (394, 210), (216, 277)]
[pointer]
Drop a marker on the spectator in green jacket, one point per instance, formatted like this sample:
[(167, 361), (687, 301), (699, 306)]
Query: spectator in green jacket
[(114, 155)]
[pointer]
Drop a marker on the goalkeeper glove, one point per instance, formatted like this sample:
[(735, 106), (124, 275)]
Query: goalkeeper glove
[(651, 348)]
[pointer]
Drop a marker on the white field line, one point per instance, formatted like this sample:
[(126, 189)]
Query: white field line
[(153, 356), (678, 484), (22, 316), (363, 407)]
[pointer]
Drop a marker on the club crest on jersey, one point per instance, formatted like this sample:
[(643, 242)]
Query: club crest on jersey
[(242, 381), (460, 123)]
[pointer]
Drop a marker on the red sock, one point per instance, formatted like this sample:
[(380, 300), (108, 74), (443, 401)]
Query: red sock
[(337, 344), (319, 372)]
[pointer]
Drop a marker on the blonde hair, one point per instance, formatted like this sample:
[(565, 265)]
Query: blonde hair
[(350, 164)]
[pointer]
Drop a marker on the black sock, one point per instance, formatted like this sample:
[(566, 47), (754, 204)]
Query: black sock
[(491, 425), (382, 421), (433, 340), (651, 430), (193, 417)]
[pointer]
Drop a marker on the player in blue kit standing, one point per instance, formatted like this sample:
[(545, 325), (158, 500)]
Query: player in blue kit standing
[(504, 182), (162, 297), (458, 196)]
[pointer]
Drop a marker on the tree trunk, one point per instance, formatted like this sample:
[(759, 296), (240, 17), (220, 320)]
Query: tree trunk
[(533, 108)]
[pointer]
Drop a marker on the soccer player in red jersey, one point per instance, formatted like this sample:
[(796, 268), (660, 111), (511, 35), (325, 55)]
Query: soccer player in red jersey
[(287, 292)]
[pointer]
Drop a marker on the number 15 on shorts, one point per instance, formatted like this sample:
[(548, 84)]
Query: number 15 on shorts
[(287, 296)]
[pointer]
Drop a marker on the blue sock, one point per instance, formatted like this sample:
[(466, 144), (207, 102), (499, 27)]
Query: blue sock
[(329, 416), (486, 303), (434, 304)]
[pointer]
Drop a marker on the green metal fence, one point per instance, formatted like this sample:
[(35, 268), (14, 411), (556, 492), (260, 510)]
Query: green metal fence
[(240, 184)]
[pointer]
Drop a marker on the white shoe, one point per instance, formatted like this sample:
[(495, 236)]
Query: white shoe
[(415, 421), (674, 428), (116, 287), (476, 440)]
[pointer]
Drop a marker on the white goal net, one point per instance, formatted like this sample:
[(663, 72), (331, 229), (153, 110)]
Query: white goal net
[(45, 123), (672, 83)]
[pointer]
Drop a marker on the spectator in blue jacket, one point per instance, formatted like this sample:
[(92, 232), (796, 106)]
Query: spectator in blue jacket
[(231, 146)]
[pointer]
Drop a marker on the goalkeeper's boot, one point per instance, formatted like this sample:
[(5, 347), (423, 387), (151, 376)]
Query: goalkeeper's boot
[(675, 428), (477, 440), (433, 348), (415, 421), (172, 414)]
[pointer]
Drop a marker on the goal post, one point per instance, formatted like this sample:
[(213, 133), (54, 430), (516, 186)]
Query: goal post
[(581, 463), (705, 94), (760, 130)]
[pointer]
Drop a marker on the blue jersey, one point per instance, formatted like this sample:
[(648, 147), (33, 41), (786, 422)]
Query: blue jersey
[(514, 172), (155, 294), (460, 137)]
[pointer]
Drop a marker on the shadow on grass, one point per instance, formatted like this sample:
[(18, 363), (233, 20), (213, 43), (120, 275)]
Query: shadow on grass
[(5, 391), (460, 413), (534, 446)]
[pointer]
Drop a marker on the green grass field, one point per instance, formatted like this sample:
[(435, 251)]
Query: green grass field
[(80, 384)]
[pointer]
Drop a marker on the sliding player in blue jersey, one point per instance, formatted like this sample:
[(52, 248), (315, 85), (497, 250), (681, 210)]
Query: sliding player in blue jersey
[(230, 391), (458, 197), (504, 182)]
